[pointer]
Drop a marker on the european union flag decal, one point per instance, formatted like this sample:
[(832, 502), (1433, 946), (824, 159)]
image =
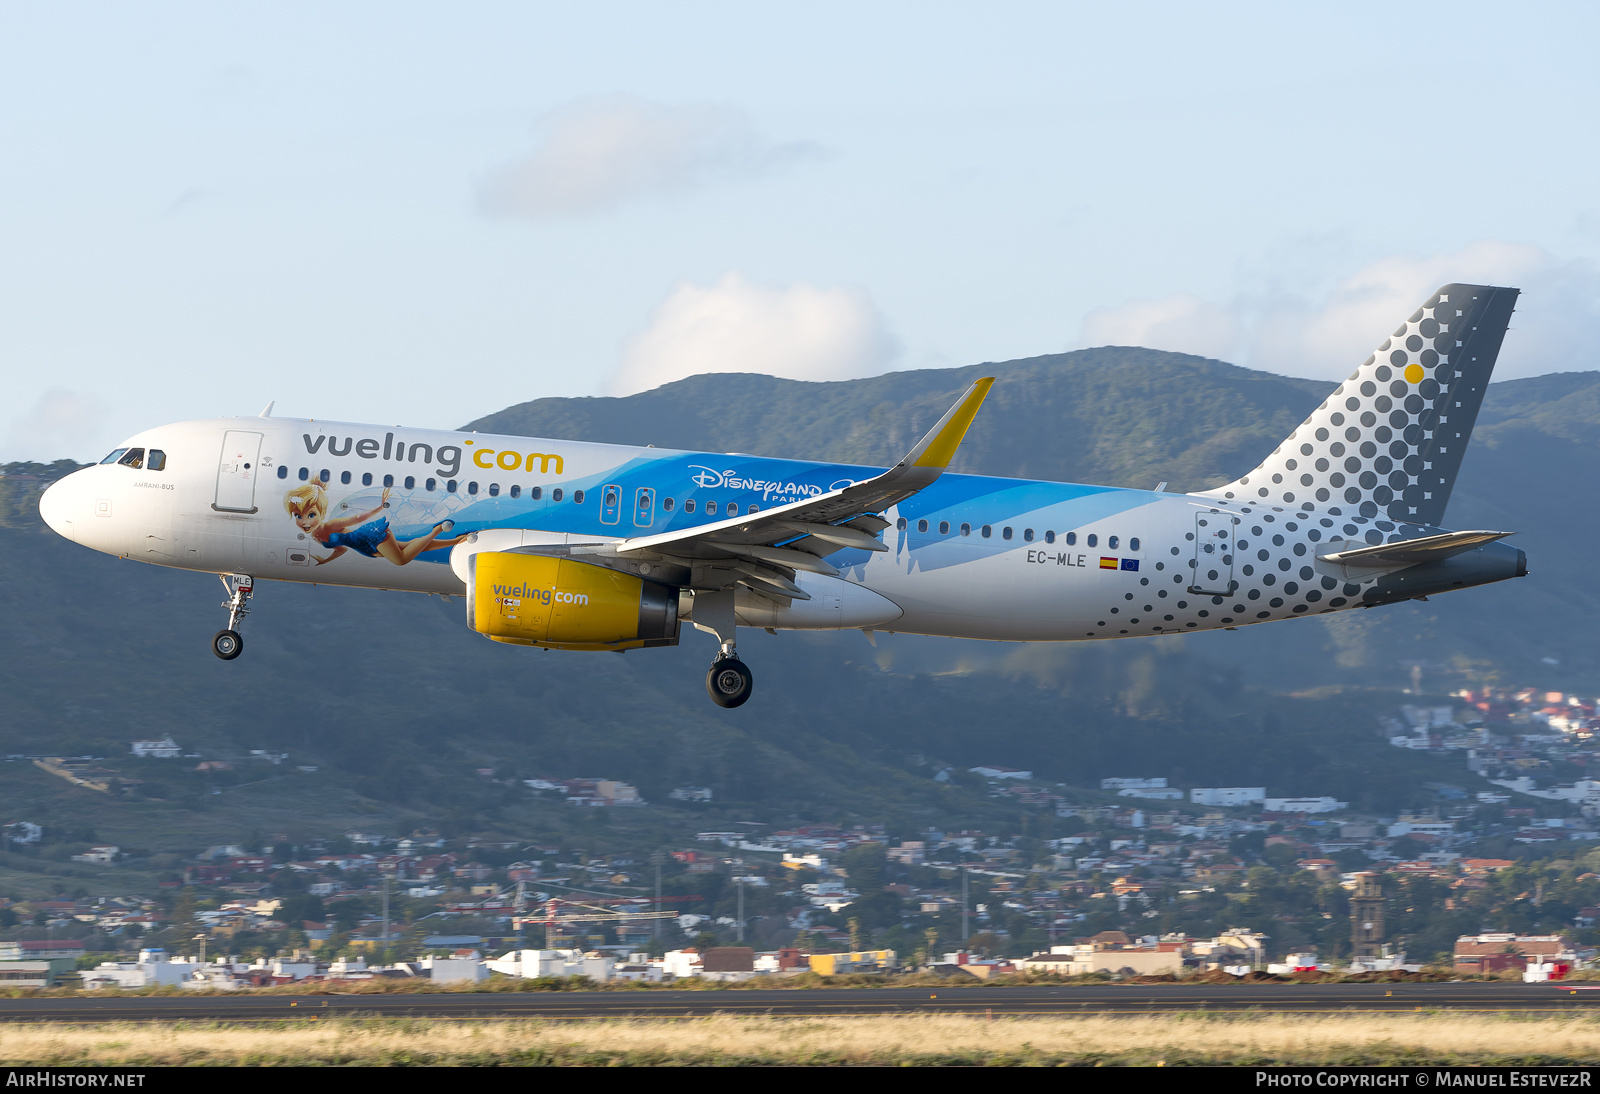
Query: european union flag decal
[(1130, 564)]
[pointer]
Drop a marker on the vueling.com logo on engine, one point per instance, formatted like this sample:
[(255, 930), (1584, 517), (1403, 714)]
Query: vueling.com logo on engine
[(543, 596)]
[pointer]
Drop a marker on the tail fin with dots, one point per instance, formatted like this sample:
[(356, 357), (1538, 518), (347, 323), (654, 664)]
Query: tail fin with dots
[(1390, 439)]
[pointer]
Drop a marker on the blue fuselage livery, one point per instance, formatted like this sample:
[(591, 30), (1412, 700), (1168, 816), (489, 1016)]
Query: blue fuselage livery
[(1347, 512)]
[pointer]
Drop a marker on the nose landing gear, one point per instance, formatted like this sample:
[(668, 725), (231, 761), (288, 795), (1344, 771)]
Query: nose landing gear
[(228, 644), (729, 681)]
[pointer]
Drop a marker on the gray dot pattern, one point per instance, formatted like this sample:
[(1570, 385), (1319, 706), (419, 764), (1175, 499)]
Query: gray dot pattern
[(1389, 441)]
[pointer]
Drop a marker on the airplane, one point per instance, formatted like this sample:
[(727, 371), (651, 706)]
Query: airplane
[(572, 545)]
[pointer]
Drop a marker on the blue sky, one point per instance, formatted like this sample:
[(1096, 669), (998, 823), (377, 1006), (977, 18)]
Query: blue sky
[(421, 213)]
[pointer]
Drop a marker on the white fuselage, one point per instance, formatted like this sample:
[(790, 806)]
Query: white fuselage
[(1037, 560)]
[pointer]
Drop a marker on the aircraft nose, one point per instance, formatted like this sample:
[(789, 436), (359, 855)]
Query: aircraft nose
[(57, 506)]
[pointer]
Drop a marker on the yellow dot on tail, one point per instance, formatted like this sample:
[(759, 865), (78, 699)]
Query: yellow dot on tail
[(1414, 374)]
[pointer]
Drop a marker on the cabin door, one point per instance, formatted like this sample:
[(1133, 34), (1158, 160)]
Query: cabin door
[(237, 472)]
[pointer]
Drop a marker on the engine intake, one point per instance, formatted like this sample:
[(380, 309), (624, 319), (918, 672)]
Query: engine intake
[(557, 603)]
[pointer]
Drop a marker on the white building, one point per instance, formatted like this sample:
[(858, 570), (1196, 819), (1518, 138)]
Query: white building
[(691, 794), (103, 855), (466, 969), (1303, 805), (681, 964), (1001, 772), (153, 969), (1227, 795), (530, 964), (1421, 825), (164, 749), (1159, 793), (1132, 784)]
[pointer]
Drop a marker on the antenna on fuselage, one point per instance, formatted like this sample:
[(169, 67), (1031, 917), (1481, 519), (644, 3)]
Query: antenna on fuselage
[(266, 411)]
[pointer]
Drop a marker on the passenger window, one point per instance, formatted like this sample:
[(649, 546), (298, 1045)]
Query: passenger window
[(305, 473), (134, 458), (711, 507), (283, 471), (472, 488), (966, 529), (430, 484), (733, 509), (411, 482), (1072, 539), (753, 509), (1093, 540), (1027, 535), (1049, 536), (450, 487), (944, 528), (1133, 544), (1111, 543), (577, 497), (555, 495), (536, 493), (986, 531), (1005, 533), (667, 504), (922, 526), (494, 490), (688, 505), (344, 477), (114, 455), (157, 460), (516, 491), (388, 481), (366, 478)]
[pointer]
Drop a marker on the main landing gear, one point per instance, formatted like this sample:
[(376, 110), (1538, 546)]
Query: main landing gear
[(729, 681), (228, 644)]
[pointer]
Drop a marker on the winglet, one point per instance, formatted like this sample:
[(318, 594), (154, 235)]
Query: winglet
[(938, 448)]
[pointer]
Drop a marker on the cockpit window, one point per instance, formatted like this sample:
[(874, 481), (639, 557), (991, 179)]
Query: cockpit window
[(133, 458), (115, 455), (157, 460)]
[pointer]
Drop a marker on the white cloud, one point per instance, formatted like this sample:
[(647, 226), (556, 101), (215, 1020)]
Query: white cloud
[(62, 423), (1556, 328), (801, 333), (1182, 323), (597, 153)]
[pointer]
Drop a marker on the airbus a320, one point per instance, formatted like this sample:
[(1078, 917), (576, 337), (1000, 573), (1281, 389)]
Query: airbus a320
[(571, 545)]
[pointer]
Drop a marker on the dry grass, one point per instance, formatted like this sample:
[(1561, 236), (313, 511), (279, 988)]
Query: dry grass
[(1245, 1038)]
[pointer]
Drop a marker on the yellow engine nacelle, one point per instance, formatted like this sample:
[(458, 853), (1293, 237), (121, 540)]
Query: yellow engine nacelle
[(541, 600)]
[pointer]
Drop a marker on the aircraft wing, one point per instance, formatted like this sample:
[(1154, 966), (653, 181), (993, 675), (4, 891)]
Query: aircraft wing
[(763, 549), (1412, 551)]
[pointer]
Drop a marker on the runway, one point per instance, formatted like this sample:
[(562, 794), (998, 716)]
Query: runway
[(1012, 1001)]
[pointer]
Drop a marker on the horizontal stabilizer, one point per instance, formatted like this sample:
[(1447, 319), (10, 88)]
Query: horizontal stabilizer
[(1412, 551)]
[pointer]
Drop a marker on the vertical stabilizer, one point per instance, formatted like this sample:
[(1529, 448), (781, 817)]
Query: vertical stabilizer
[(1390, 439)]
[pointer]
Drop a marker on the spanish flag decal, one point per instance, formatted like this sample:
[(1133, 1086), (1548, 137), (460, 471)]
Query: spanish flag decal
[(1108, 564)]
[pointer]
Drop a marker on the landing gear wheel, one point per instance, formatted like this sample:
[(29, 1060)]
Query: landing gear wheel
[(729, 682), (227, 645)]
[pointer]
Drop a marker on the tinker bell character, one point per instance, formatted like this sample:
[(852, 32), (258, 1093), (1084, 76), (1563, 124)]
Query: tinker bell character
[(308, 506)]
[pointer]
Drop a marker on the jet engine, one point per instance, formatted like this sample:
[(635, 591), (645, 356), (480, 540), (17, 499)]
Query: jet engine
[(557, 603)]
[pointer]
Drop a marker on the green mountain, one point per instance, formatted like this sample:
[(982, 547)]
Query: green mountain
[(399, 707)]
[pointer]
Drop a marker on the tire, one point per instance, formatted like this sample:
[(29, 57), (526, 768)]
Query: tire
[(729, 682), (227, 645)]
